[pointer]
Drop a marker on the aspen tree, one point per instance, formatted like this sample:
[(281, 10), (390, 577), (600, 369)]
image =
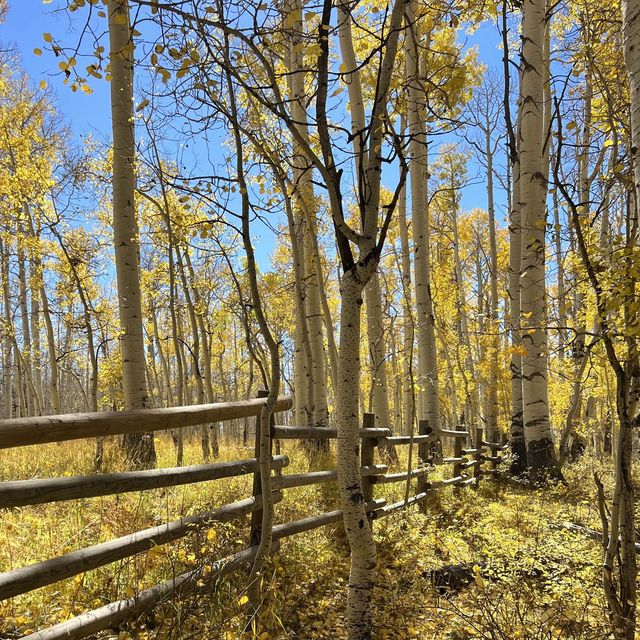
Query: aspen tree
[(618, 520), (451, 167), (31, 397), (210, 445), (264, 424), (428, 405), (8, 348), (484, 118), (518, 446), (560, 277), (54, 396), (541, 458), (304, 193), (91, 346), (165, 211), (408, 407), (579, 347), (140, 447), (373, 294), (356, 274)]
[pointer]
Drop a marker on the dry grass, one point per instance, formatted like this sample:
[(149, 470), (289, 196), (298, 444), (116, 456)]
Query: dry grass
[(547, 582)]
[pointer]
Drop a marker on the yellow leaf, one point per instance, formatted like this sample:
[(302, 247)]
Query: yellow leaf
[(243, 600), (292, 19), (47, 37), (43, 84), (37, 52)]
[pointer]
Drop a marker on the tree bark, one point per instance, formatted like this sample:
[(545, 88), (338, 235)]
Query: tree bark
[(140, 447), (357, 526), (304, 193), (494, 329), (541, 457), (427, 376), (408, 407)]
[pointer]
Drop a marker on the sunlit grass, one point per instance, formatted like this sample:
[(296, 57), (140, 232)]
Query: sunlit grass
[(507, 526)]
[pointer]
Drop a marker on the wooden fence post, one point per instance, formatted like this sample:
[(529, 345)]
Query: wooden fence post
[(494, 455), (458, 445), (477, 470), (367, 450), (423, 457), (256, 516)]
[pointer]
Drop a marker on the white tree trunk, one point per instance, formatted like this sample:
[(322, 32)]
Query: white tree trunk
[(494, 328), (140, 447), (631, 22), (469, 376), (560, 279), (373, 294), (428, 404), (408, 408), (518, 446), (304, 193), (378, 353), (541, 456), (357, 526)]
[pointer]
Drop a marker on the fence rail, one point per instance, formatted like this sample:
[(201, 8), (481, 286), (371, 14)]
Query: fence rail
[(20, 493), (21, 432)]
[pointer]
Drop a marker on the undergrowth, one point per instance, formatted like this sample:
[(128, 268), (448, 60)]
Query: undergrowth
[(530, 578)]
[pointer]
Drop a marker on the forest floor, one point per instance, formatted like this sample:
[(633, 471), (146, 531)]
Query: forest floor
[(537, 582)]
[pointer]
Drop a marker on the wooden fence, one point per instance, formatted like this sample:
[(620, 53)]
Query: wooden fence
[(467, 462)]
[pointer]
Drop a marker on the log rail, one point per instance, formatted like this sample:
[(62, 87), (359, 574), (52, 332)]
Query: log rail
[(20, 493)]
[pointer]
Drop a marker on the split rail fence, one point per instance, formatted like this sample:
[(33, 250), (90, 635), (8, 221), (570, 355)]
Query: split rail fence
[(470, 454)]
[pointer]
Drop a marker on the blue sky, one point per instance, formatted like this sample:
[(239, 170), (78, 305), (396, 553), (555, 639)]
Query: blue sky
[(26, 22), (29, 19)]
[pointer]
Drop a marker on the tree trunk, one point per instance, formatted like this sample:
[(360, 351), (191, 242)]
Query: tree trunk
[(34, 319), (27, 350), (408, 408), (494, 329), (467, 369), (54, 395), (304, 193), (541, 458), (518, 447), (140, 447), (378, 354), (210, 432), (263, 436), (7, 341), (356, 523), (427, 375)]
